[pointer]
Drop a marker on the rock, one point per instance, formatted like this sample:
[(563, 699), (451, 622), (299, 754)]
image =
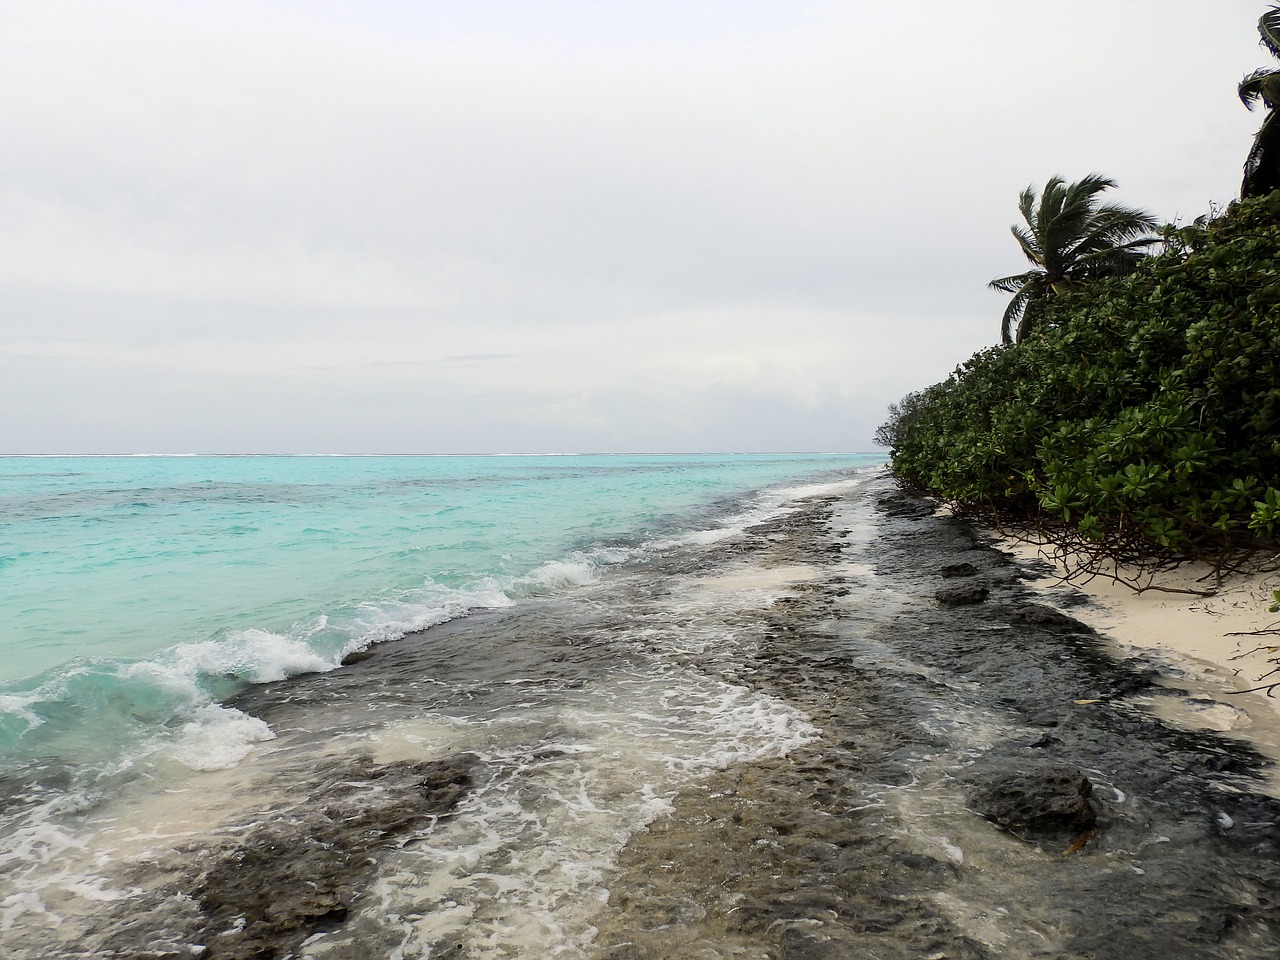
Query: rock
[(953, 570), (962, 596), (1045, 741), (1036, 801), (1035, 614), (447, 781), (298, 873), (898, 504)]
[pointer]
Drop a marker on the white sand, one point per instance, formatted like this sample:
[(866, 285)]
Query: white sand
[(1191, 639)]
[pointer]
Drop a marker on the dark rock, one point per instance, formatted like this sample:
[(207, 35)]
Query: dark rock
[(962, 596), (358, 656), (293, 875), (1039, 800), (898, 504), (447, 782), (1134, 683), (1045, 718), (1047, 618), (1071, 598), (953, 570), (1045, 741)]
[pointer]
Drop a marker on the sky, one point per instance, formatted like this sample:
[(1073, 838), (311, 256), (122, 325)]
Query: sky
[(569, 226)]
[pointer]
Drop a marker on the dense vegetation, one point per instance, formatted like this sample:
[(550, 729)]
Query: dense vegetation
[(1141, 423), (1132, 414)]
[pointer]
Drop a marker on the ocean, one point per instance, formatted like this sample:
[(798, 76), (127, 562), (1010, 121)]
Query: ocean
[(140, 596), (138, 593), (615, 707)]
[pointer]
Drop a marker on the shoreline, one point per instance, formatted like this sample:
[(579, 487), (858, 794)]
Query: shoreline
[(874, 838), (831, 734), (1200, 643)]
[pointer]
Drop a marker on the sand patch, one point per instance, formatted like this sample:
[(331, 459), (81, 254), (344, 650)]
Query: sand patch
[(759, 583), (1202, 642)]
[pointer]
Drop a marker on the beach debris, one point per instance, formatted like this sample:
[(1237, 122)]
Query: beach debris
[(1080, 843)]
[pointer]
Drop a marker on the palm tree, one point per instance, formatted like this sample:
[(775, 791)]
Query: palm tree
[(1262, 168), (1070, 238)]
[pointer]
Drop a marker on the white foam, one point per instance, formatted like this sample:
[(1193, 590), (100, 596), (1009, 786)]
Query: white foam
[(27, 905), (769, 505), (432, 604), (522, 870), (217, 738), (563, 573), (577, 569), (254, 655), (40, 836), (19, 706)]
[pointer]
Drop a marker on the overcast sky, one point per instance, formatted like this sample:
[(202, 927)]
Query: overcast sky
[(482, 226)]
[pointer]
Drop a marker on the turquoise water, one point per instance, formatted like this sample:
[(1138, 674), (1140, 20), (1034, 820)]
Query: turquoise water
[(138, 593)]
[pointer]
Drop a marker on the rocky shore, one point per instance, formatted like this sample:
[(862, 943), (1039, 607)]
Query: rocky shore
[(983, 787), (970, 774)]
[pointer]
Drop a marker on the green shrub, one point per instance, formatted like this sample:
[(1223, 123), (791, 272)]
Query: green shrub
[(1144, 418)]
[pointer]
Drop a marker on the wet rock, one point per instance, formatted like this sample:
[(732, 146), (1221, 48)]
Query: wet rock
[(661, 912), (1139, 682), (298, 874), (1047, 618), (962, 596), (953, 570), (446, 782), (902, 505), (1039, 800), (1045, 741)]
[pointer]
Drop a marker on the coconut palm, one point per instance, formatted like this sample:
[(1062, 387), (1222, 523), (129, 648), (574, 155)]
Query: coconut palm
[(1262, 167), (1070, 238)]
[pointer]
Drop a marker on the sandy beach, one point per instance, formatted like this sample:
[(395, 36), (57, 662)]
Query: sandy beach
[(1216, 646)]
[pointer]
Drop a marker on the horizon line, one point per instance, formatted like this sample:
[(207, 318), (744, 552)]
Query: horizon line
[(586, 453)]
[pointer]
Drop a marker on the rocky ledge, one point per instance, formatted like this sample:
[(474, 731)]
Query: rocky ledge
[(982, 788)]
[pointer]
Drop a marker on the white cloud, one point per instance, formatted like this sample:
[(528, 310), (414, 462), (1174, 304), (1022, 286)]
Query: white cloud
[(687, 226)]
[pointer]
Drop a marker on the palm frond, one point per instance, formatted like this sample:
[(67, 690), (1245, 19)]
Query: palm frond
[(1015, 283), (1079, 196), (1113, 226), (1012, 319), (1269, 29), (1066, 218), (1261, 85), (1269, 89), (1262, 166), (1030, 319), (1070, 237), (1116, 262), (1027, 206), (1028, 242)]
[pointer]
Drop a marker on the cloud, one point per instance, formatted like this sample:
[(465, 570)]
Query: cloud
[(600, 224)]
